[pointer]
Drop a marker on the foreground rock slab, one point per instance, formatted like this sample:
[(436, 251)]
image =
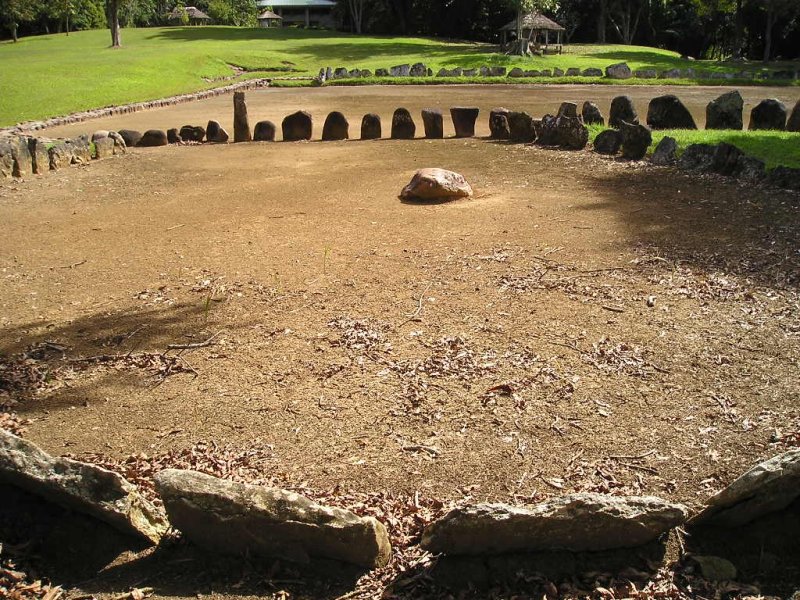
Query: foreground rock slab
[(436, 184), (236, 518), (578, 523), (768, 487), (81, 487)]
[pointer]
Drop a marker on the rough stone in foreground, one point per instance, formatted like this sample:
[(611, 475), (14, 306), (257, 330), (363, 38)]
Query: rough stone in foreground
[(215, 133), (297, 126), (241, 124), (103, 148), (21, 156), (130, 136), (82, 487), (668, 112), (622, 109), (153, 137), (498, 124), (636, 139), (403, 127), (371, 127), (436, 184), (81, 151), (768, 114), (608, 142), (236, 518), (40, 159), (768, 487), (697, 157), (433, 122), (785, 177), (521, 127), (591, 114), (619, 71), (578, 523), (665, 152), (6, 159), (793, 124), (567, 109), (336, 127), (464, 120), (59, 155), (264, 132), (120, 147), (725, 112)]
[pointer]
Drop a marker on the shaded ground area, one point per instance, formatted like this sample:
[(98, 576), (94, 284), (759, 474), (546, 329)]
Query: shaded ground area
[(275, 103), (580, 325)]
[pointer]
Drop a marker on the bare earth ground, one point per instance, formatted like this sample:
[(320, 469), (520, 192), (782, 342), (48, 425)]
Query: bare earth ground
[(580, 324)]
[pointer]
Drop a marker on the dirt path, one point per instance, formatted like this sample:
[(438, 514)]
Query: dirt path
[(275, 103), (576, 314)]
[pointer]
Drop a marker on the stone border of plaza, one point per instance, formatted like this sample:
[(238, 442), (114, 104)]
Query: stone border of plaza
[(122, 109)]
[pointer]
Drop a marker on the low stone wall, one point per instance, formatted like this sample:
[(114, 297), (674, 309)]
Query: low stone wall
[(562, 534), (619, 71)]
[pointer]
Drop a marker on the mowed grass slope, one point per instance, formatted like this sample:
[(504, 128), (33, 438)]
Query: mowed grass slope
[(53, 75)]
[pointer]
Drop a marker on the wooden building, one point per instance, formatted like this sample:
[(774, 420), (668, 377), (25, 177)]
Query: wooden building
[(306, 13)]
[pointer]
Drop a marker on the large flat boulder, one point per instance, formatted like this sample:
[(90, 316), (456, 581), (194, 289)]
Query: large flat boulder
[(236, 518), (768, 487), (619, 71), (578, 523), (436, 184), (81, 487)]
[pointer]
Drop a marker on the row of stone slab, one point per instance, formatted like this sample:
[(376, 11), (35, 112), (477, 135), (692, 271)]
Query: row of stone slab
[(615, 71), (237, 518), (724, 112), (22, 155)]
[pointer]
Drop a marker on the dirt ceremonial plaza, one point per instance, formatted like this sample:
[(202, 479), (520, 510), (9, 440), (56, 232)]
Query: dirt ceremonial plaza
[(272, 313)]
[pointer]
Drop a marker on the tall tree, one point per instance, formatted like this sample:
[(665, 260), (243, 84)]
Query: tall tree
[(776, 10), (625, 18), (14, 12), (112, 16)]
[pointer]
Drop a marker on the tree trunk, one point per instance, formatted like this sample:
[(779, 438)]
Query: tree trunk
[(601, 21), (113, 23), (14, 32), (738, 40), (768, 31)]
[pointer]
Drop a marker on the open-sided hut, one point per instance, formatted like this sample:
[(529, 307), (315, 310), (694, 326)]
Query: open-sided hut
[(194, 15), (542, 34), (269, 19)]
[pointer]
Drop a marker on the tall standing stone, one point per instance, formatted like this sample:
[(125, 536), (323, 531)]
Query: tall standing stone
[(668, 112), (768, 114), (403, 127), (591, 114), (371, 127), (725, 112), (636, 139), (241, 126), (521, 127), (297, 126), (794, 119), (464, 120), (622, 109), (433, 122), (336, 127)]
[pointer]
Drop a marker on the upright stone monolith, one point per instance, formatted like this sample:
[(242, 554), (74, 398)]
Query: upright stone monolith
[(241, 126)]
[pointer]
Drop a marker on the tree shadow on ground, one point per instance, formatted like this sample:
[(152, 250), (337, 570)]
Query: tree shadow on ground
[(32, 357), (707, 223)]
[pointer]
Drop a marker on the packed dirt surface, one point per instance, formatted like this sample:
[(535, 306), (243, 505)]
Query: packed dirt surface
[(275, 103), (580, 324)]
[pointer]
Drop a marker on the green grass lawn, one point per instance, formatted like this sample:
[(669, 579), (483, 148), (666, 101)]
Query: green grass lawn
[(53, 75), (773, 147)]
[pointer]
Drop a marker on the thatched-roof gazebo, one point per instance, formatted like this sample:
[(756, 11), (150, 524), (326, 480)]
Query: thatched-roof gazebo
[(195, 15), (269, 19), (536, 29)]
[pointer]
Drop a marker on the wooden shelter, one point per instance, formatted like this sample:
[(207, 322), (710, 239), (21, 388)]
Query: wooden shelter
[(269, 19), (543, 34), (195, 15)]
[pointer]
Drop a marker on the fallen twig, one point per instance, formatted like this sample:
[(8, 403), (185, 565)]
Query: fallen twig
[(208, 342)]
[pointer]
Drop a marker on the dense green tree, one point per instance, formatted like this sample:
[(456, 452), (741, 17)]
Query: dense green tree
[(241, 13), (15, 12)]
